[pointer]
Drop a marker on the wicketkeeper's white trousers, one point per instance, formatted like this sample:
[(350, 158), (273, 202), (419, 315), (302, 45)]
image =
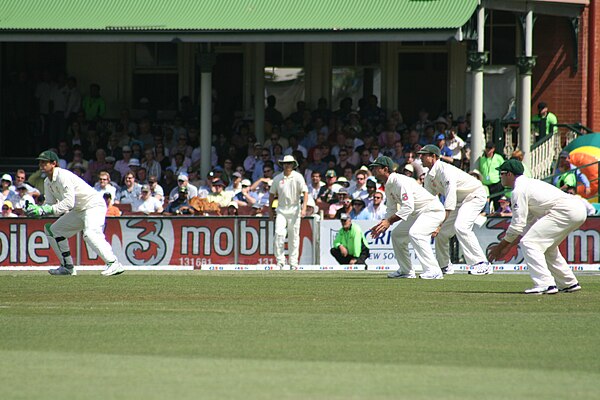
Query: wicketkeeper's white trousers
[(90, 222), (547, 267), (460, 223), (287, 223), (417, 230)]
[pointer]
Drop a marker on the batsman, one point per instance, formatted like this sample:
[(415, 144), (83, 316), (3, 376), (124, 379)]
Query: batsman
[(81, 209)]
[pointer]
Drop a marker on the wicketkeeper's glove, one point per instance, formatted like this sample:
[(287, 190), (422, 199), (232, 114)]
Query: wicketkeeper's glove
[(33, 210)]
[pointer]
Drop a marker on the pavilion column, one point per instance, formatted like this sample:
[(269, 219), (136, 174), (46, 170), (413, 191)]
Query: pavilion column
[(525, 63), (259, 92), (207, 60), (476, 60)]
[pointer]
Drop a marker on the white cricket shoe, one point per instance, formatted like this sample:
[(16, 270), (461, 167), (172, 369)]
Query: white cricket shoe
[(113, 268), (431, 275), (399, 274), (482, 268), (570, 289), (448, 270), (542, 290)]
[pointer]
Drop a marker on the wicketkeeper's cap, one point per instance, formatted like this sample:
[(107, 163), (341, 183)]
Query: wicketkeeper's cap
[(383, 161), (47, 155), (430, 149)]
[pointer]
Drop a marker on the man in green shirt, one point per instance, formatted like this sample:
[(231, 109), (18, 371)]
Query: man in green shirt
[(350, 245), (488, 165), (545, 121)]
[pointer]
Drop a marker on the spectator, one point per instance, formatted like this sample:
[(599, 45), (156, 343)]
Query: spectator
[(544, 121), (123, 165), (360, 190), (23, 198), (315, 184), (342, 201), (504, 210), (232, 208), (21, 178), (327, 191), (111, 210), (6, 193), (564, 162), (152, 166), (93, 104), (349, 245), (377, 209), (130, 190), (358, 210), (273, 115), (244, 198), (146, 203), (181, 205), (155, 189), (488, 164), (219, 196), (183, 181), (7, 209)]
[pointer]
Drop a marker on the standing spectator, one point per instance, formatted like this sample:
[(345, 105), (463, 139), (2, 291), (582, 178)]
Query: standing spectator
[(80, 209), (287, 188), (350, 245), (273, 115), (545, 121), (73, 104), (93, 104), (464, 197), (543, 217), (488, 164), (419, 213)]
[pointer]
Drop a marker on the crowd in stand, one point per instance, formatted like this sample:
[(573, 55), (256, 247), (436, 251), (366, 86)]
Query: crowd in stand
[(150, 166)]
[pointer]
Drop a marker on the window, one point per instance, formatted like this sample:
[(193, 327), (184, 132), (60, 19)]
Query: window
[(284, 74), (501, 37), (155, 78), (355, 72)]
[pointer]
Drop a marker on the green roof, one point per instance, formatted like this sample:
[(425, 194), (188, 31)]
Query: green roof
[(232, 15)]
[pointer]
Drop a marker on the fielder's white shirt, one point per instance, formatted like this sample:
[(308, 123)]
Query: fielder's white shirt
[(531, 200), (453, 183), (288, 190), (406, 197), (65, 191)]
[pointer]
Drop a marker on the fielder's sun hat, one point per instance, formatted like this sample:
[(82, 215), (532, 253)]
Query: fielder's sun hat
[(512, 165), (47, 155), (289, 159), (383, 161), (430, 149)]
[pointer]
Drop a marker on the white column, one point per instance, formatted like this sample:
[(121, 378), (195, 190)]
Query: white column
[(259, 92), (477, 137), (525, 93), (207, 61)]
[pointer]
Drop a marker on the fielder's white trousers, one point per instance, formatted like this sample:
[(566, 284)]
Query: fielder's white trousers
[(547, 267), (417, 230), (287, 223), (90, 222), (460, 223)]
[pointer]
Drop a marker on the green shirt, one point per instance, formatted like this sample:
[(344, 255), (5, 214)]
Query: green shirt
[(352, 239), (543, 124), (488, 168)]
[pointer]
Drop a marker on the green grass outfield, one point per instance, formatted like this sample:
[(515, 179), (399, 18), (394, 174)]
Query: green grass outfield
[(294, 335)]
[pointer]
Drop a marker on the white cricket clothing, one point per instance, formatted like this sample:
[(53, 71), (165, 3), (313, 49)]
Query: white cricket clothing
[(544, 216), (420, 213), (81, 209), (288, 190), (465, 198)]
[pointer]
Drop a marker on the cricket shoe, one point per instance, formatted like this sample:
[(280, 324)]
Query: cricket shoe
[(62, 270), (542, 290), (113, 268), (448, 270), (399, 274), (482, 268), (431, 275), (570, 289)]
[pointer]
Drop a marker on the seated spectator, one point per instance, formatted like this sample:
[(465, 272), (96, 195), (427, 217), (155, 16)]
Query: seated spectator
[(181, 205), (327, 191), (377, 209), (180, 163), (260, 191), (130, 191), (142, 176), (146, 203), (504, 210), (155, 189), (343, 201), (111, 210), (244, 197), (21, 177), (123, 165), (7, 209), (6, 193), (236, 184), (358, 209), (232, 208), (312, 210), (152, 166), (23, 199), (78, 159), (134, 165), (104, 185), (219, 196), (257, 210), (349, 245), (360, 190), (183, 181), (371, 189), (591, 210)]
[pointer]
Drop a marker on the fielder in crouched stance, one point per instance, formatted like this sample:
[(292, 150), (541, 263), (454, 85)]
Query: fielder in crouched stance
[(80, 209), (543, 216)]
